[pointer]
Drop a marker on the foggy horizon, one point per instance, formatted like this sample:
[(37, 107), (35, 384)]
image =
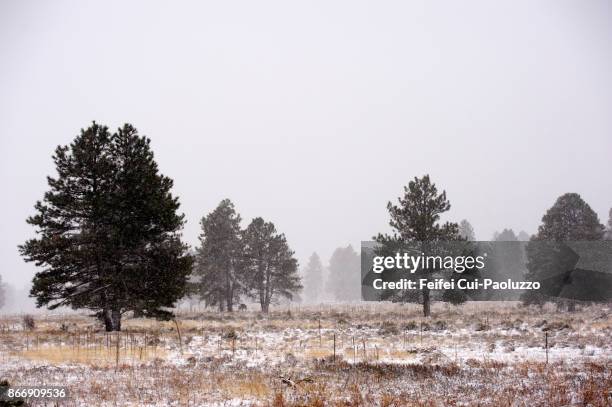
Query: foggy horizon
[(315, 116)]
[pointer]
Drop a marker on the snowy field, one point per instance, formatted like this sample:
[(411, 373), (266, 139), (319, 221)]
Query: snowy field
[(374, 354)]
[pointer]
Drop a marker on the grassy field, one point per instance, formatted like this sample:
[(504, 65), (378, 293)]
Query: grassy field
[(489, 354)]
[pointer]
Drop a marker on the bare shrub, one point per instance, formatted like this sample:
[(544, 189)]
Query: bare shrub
[(28, 323), (411, 326)]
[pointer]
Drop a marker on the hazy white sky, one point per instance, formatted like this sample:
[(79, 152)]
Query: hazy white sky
[(314, 114)]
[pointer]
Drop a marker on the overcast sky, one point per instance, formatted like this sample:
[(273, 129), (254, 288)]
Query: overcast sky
[(314, 114)]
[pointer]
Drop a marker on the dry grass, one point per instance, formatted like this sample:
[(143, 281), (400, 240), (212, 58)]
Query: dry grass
[(254, 386), (93, 356), (488, 354)]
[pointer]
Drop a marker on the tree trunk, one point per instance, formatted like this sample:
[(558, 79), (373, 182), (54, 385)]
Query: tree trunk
[(116, 318), (265, 307), (229, 293), (267, 296), (426, 303), (107, 319), (262, 301)]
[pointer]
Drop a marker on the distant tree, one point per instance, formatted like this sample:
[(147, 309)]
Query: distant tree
[(417, 219), (507, 235), (218, 259), (2, 293), (466, 230), (344, 280), (523, 236), (569, 219), (270, 268), (109, 232), (313, 278), (608, 235), (506, 261)]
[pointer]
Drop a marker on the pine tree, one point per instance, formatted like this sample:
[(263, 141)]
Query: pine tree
[(313, 278), (270, 267), (506, 261), (608, 235), (507, 235), (466, 230), (417, 219), (109, 232), (344, 280), (218, 259), (569, 219)]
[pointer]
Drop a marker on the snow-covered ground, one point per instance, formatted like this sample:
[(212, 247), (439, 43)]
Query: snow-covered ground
[(487, 353)]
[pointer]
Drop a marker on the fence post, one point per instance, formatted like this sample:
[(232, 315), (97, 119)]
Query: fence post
[(546, 345), (421, 333), (117, 343), (178, 331), (334, 347)]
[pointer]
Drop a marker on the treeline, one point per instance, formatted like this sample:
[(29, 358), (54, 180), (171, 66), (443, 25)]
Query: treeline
[(109, 239), (416, 218)]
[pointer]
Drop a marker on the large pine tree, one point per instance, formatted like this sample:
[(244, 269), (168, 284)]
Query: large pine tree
[(417, 220), (108, 230), (219, 258), (271, 269)]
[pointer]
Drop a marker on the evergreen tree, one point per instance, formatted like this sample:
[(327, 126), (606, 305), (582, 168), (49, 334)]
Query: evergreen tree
[(506, 261), (523, 236), (313, 278), (344, 280), (109, 232), (569, 219), (417, 219), (507, 235), (466, 230), (218, 259), (270, 266), (608, 235)]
